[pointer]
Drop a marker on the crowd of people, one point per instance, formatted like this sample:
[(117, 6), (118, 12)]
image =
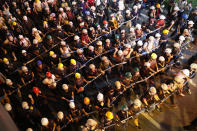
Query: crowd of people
[(66, 63)]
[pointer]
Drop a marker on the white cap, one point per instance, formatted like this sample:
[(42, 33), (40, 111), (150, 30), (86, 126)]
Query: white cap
[(137, 102), (164, 86), (8, 107), (138, 26), (120, 52), (74, 3), (99, 43), (25, 105), (162, 17), (79, 51), (60, 115), (147, 64), (134, 7), (139, 43), (34, 29), (100, 97), (65, 87), (182, 38), (176, 8), (91, 47), (76, 37), (107, 40), (72, 105), (152, 7), (59, 27), (29, 129), (61, 9), (186, 72), (123, 31), (93, 8), (161, 58), (157, 35), (23, 51), (25, 18), (35, 41), (190, 22), (63, 43), (152, 91), (177, 45), (168, 50), (127, 11), (193, 66), (44, 121)]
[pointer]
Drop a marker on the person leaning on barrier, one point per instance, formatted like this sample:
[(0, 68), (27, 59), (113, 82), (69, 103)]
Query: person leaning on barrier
[(122, 114), (107, 119), (193, 70), (164, 91), (133, 110)]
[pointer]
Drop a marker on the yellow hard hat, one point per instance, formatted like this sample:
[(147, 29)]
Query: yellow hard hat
[(165, 31), (37, 1), (44, 22), (77, 75), (66, 22), (158, 5), (154, 56), (14, 23), (5, 60), (109, 115), (60, 65), (51, 53), (118, 84), (73, 61)]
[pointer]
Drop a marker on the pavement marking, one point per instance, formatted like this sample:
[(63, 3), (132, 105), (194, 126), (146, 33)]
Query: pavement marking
[(156, 124)]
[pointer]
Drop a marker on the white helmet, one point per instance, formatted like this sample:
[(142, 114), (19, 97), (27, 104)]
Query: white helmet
[(182, 38), (79, 51), (168, 50), (8, 82), (137, 102), (134, 7), (127, 45), (76, 37), (25, 105), (152, 91), (91, 47), (60, 115), (157, 35), (93, 8), (85, 31), (138, 26), (91, 123), (152, 7), (193, 66), (120, 52), (190, 22), (100, 97), (61, 9), (164, 86), (65, 87), (72, 105), (25, 18), (44, 121), (35, 41), (8, 107), (139, 43), (29, 129), (91, 66), (20, 36), (63, 43), (147, 64), (186, 72), (132, 29), (162, 17), (99, 43), (161, 58), (151, 38), (24, 68), (127, 11), (24, 51), (177, 45)]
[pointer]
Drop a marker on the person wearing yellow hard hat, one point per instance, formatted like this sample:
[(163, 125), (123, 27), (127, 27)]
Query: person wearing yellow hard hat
[(164, 39), (53, 59), (45, 25), (80, 81), (74, 65), (108, 119), (6, 61), (61, 71), (153, 62), (14, 23)]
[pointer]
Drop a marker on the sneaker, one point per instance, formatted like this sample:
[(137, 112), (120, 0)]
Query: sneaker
[(189, 92)]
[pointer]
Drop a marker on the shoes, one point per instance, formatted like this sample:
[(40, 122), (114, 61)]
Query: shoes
[(189, 92)]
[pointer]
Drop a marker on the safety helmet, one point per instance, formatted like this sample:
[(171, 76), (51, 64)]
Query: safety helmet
[(165, 31), (60, 115), (36, 90), (193, 66), (158, 5), (152, 91), (139, 43), (168, 50), (182, 38), (79, 51), (51, 53), (9, 82), (186, 72), (157, 35), (91, 47), (164, 86), (99, 43), (109, 115), (65, 87), (5, 60), (77, 75), (190, 22), (128, 74), (76, 37), (100, 97), (8, 107), (73, 62), (48, 74), (185, 16), (25, 105), (86, 101), (176, 45), (118, 85), (161, 58), (147, 64), (137, 102), (72, 105), (162, 17), (44, 121), (91, 66), (120, 52), (105, 22)]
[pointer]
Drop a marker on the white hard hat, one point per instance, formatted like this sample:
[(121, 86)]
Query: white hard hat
[(91, 47), (107, 40), (74, 3), (137, 102), (176, 8), (8, 107), (25, 18), (177, 45), (134, 7), (161, 58), (182, 38), (8, 82), (79, 51), (85, 31), (178, 79), (91, 66), (138, 26), (123, 31), (91, 123), (157, 35), (25, 105), (60, 115), (93, 8), (63, 43), (99, 43), (152, 7), (139, 43), (152, 91), (132, 29), (24, 68), (162, 17), (65, 87), (59, 27), (104, 58), (44, 121), (34, 29), (147, 64), (20, 36), (193, 66), (190, 22), (29, 129), (168, 50), (151, 38), (120, 52), (127, 11), (76, 37), (91, 28), (61, 9), (186, 72), (35, 41), (100, 97), (72, 105), (164, 86), (23, 51)]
